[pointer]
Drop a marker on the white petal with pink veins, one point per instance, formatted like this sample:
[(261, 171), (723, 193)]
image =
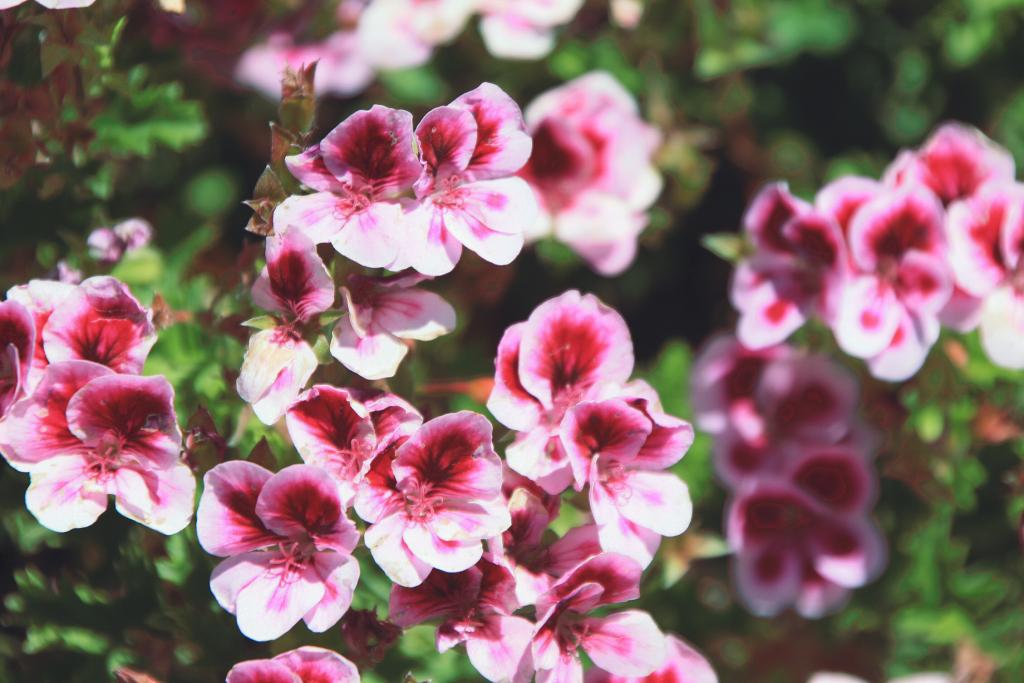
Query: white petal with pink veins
[(63, 494), (376, 355)]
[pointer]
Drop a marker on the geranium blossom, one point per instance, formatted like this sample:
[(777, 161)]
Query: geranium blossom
[(17, 348), (523, 29), (474, 607), (397, 34), (41, 298), (626, 643), (798, 271), (342, 68), (86, 433), (683, 664), (278, 361), (288, 544), (592, 169), (791, 548), (434, 499), (304, 665), (100, 321), (620, 448), (108, 245), (357, 171), (468, 195), (383, 312), (953, 163), (571, 349), (343, 430), (527, 551), (890, 310), (986, 234)]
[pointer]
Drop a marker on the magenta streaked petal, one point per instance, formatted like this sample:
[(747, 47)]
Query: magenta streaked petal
[(975, 227), (620, 535), (375, 354), (317, 665), (509, 401), (849, 554), (767, 578), (502, 146), (339, 574), (491, 217), (843, 197), (573, 344), (276, 367), (539, 456), (497, 649), (442, 594), (659, 501), (768, 212), (447, 138), (226, 521), (907, 350), (384, 540), (770, 307), (276, 599), (895, 222), (18, 343), (627, 643), (414, 313), (433, 249), (924, 283), (100, 322), (63, 494), (373, 150), (161, 499), (373, 236), (294, 281), (810, 398), (310, 170), (302, 501), (40, 297), (611, 429), (261, 671), (608, 578), (448, 556), (318, 216), (137, 412), (36, 427)]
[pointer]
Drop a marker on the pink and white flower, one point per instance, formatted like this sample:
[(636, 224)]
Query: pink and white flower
[(342, 69), (434, 499), (793, 550), (17, 349), (384, 312), (524, 29), (100, 321), (953, 163), (626, 643), (889, 312), (986, 237), (86, 433), (40, 297), (474, 607), (468, 195), (357, 171), (278, 361), (525, 550), (571, 349), (288, 544), (304, 665), (592, 170), (621, 449), (683, 664), (798, 271), (343, 430)]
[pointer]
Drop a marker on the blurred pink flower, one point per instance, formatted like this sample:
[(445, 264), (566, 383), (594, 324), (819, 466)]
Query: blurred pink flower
[(109, 245), (592, 169), (524, 29), (682, 665), (86, 433), (341, 66), (288, 544)]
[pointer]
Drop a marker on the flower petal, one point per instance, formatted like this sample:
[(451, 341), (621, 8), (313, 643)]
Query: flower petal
[(294, 281), (226, 522), (301, 501), (339, 574), (628, 643), (63, 494)]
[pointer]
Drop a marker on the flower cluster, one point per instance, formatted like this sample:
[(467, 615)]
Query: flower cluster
[(109, 245), (76, 416), (789, 446), (592, 169), (382, 35), (885, 263), (459, 532)]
